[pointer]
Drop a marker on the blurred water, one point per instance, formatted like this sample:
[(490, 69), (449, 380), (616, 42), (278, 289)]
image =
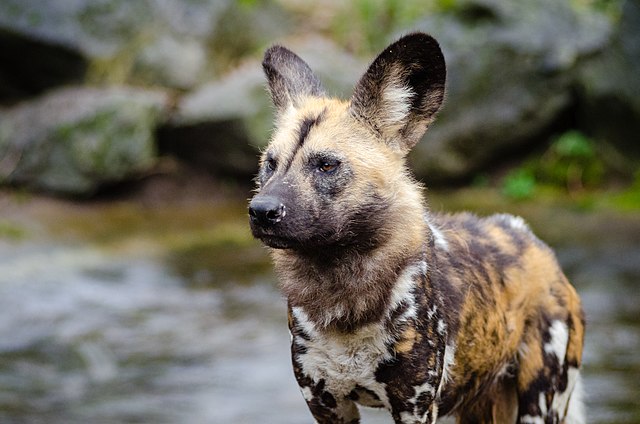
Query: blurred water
[(101, 335)]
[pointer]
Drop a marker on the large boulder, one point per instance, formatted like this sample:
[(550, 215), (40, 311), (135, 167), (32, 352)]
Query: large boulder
[(29, 66), (173, 43), (610, 89), (511, 74), (75, 140)]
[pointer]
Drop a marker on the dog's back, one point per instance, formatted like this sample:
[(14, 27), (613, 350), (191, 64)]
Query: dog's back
[(517, 323)]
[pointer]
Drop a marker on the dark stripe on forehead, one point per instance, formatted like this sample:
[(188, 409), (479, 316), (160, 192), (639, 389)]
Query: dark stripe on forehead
[(305, 127), (303, 132)]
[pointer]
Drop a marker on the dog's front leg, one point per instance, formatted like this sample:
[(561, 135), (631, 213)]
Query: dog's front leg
[(344, 412), (417, 409), (324, 407), (412, 385)]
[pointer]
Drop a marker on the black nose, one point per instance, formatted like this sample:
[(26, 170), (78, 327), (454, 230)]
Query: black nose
[(266, 210)]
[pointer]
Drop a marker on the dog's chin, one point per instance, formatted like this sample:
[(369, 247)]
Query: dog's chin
[(276, 242)]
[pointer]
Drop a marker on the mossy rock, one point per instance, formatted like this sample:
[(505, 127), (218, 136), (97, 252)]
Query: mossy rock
[(73, 141)]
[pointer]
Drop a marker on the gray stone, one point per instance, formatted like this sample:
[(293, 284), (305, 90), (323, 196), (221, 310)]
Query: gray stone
[(242, 93), (610, 89), (511, 69), (30, 67), (100, 28), (74, 140), (172, 43)]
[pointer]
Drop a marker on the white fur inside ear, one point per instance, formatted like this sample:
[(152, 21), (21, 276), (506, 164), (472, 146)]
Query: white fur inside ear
[(395, 105)]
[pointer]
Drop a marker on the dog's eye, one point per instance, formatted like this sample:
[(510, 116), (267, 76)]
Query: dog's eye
[(328, 166), (270, 164)]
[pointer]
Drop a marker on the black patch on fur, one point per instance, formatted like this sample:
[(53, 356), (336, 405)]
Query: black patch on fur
[(305, 127), (329, 184), (328, 400), (359, 391)]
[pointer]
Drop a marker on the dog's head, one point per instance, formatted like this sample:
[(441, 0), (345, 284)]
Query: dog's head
[(334, 175)]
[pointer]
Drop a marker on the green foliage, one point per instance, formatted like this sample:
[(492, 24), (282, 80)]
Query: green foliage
[(365, 25), (611, 8), (572, 162), (519, 184), (628, 200)]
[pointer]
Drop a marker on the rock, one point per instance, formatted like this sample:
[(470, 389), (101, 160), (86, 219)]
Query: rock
[(242, 93), (173, 61), (74, 140), (610, 89), (154, 42), (511, 71), (29, 67), (222, 124), (172, 43)]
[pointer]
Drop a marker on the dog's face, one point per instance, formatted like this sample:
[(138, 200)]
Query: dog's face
[(334, 173)]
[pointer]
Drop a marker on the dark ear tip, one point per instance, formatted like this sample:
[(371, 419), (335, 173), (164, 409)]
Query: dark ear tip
[(269, 55), (418, 38), (425, 48), (421, 42), (277, 53)]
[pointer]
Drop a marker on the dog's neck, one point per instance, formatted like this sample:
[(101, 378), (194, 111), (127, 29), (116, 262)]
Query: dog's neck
[(344, 290)]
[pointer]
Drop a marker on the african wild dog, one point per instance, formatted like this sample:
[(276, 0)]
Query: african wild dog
[(391, 305)]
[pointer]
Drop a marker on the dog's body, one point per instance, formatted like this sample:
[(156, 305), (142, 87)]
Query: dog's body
[(389, 305)]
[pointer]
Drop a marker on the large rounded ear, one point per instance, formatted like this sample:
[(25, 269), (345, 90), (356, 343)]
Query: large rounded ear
[(290, 78), (402, 90)]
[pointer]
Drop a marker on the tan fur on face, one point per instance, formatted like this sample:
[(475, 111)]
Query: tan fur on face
[(375, 166)]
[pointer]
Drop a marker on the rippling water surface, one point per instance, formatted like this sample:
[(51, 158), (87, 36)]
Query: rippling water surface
[(120, 314)]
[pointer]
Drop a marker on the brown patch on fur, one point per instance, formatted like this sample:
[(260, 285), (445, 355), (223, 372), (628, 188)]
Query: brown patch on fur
[(408, 338), (502, 272)]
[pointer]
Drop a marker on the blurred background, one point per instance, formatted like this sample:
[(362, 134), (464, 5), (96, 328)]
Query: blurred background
[(131, 290)]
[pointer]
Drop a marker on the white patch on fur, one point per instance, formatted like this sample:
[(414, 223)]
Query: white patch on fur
[(434, 408), (542, 403), (442, 327), (395, 105), (345, 361), (431, 312), (528, 419), (413, 417), (424, 267), (306, 393), (559, 338), (575, 411), (505, 371), (449, 360), (303, 321), (402, 291), (439, 238), (515, 222), (571, 396)]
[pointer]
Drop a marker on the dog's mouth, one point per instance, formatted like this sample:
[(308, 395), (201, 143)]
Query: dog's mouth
[(269, 237), (276, 242)]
